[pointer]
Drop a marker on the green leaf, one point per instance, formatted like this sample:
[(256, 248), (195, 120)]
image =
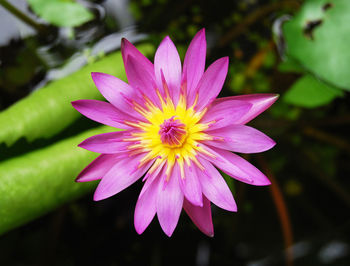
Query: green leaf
[(39, 181), (61, 13), (319, 38), (48, 111), (290, 65), (310, 92)]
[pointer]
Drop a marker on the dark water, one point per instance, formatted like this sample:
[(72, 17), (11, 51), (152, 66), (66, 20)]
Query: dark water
[(311, 170)]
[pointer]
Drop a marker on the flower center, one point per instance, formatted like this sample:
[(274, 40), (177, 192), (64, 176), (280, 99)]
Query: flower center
[(172, 132)]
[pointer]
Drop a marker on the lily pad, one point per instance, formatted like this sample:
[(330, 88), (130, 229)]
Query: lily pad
[(311, 35), (309, 92), (37, 182), (61, 13)]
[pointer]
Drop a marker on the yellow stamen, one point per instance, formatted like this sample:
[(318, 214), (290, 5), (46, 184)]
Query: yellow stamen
[(171, 133)]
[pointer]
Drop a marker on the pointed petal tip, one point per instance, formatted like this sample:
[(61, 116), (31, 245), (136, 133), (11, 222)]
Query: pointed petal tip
[(81, 144), (139, 230), (74, 103), (96, 75), (274, 97), (196, 203), (209, 232), (77, 104), (230, 206), (77, 179), (168, 229), (234, 209), (268, 146), (80, 179), (273, 143), (166, 41), (269, 97), (169, 232), (225, 59), (100, 196), (261, 183), (84, 145), (96, 198), (201, 33), (124, 43)]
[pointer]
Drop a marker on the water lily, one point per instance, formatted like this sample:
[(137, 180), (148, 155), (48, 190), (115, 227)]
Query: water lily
[(176, 134)]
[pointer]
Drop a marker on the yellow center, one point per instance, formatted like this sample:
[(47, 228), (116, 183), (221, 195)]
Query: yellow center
[(149, 137)]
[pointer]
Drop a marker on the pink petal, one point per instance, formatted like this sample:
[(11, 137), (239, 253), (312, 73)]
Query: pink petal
[(260, 103), (215, 188), (190, 185), (146, 205), (201, 216), (108, 143), (141, 79), (225, 113), (167, 61), (150, 177), (124, 173), (117, 92), (237, 167), (98, 168), (169, 204), (102, 112), (211, 83), (240, 138), (130, 50), (194, 62)]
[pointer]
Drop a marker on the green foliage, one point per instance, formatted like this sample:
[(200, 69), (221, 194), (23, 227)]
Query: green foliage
[(310, 92), (311, 36), (39, 181), (281, 109), (290, 65), (48, 111), (61, 13)]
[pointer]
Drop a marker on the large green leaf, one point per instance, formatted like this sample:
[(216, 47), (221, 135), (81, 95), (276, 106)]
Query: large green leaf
[(48, 110), (319, 38), (310, 92), (39, 181), (61, 13)]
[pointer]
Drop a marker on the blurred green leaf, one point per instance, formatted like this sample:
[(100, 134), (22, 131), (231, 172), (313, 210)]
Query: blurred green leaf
[(290, 65), (61, 13), (48, 110), (39, 181), (311, 36), (310, 92)]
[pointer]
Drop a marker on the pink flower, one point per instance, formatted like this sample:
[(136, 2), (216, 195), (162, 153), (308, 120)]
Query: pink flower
[(175, 135)]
